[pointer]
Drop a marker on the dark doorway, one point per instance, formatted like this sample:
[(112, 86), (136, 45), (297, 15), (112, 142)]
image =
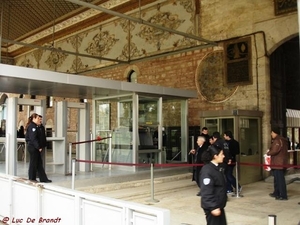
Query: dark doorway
[(285, 81)]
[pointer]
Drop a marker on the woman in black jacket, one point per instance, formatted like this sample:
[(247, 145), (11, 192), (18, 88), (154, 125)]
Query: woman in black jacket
[(34, 147), (213, 186)]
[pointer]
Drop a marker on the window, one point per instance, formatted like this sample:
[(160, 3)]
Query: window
[(132, 77)]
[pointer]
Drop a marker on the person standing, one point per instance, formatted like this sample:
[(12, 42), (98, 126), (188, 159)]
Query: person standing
[(34, 148), (205, 134), (221, 143), (42, 134), (213, 186), (234, 149), (42, 139), (279, 158), (20, 132), (202, 146)]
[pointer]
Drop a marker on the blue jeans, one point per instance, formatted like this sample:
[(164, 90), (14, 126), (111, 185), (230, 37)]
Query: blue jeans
[(279, 183), (231, 181)]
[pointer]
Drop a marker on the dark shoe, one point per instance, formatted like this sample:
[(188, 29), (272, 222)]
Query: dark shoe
[(281, 198), (272, 195), (47, 181)]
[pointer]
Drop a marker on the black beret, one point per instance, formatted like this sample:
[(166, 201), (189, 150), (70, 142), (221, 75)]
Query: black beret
[(276, 130)]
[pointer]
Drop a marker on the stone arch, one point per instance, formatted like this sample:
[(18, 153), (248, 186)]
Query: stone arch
[(129, 72), (281, 42), (276, 33)]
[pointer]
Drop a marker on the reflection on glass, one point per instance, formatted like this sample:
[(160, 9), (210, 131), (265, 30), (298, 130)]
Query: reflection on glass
[(212, 125), (249, 140)]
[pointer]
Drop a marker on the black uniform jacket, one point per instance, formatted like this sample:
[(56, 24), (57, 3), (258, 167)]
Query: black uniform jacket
[(42, 136), (234, 149), (213, 187), (32, 135)]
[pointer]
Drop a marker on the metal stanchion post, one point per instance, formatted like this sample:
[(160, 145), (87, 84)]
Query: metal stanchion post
[(237, 194), (152, 186), (73, 173), (91, 152), (70, 157), (272, 220)]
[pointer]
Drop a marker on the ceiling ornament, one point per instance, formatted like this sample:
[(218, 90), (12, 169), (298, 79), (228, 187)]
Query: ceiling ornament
[(101, 44), (184, 41), (77, 66), (210, 78), (26, 63), (37, 54), (151, 35), (188, 5), (56, 59), (129, 51)]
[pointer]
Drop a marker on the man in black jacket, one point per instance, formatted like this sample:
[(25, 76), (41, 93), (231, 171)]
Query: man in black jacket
[(202, 146), (234, 149)]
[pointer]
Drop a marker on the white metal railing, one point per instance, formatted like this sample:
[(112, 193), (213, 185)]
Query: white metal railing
[(24, 202)]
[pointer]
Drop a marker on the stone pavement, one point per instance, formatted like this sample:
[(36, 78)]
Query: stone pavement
[(178, 194)]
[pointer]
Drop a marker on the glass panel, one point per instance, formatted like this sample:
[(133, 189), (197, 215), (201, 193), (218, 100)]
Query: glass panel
[(114, 117), (122, 131), (172, 125), (102, 111), (212, 125), (249, 140), (226, 124), (148, 134), (102, 124)]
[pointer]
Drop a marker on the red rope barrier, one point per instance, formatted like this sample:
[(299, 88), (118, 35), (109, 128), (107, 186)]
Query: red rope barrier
[(98, 139), (179, 164)]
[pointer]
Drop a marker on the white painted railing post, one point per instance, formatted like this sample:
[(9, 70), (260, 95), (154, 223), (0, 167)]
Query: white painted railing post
[(272, 220)]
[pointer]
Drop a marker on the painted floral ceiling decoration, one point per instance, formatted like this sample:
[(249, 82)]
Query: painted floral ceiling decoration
[(151, 34), (56, 59), (101, 44)]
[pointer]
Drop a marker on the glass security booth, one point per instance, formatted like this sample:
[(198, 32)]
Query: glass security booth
[(246, 128), (137, 123)]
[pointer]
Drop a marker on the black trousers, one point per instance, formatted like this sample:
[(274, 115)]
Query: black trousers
[(231, 180), (215, 220), (36, 164), (196, 174), (279, 183)]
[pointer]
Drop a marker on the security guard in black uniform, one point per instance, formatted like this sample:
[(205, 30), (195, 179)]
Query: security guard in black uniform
[(34, 147), (213, 186)]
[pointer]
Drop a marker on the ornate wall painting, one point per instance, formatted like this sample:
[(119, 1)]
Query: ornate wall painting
[(210, 78)]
